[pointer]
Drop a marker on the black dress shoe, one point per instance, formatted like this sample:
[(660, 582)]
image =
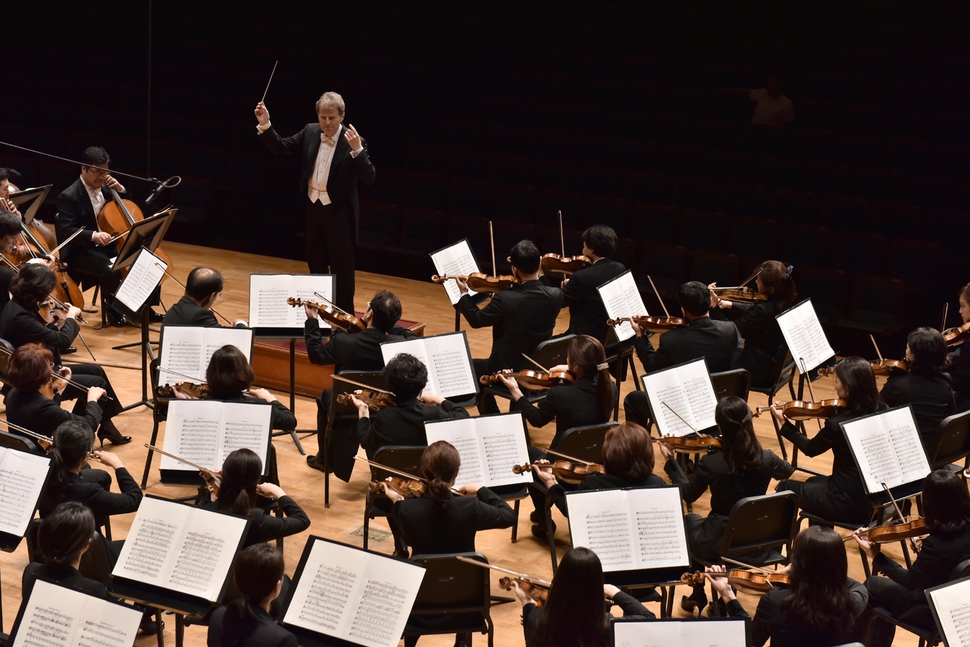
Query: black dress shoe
[(540, 530), (154, 317), (116, 320), (112, 435), (315, 463), (69, 350)]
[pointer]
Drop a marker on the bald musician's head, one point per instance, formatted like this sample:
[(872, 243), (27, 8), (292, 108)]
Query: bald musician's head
[(203, 285)]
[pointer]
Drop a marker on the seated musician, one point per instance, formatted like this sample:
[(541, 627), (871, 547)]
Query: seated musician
[(247, 621), (764, 345), (22, 323), (202, 288), (573, 614), (9, 236), (63, 537), (521, 318), (841, 496), (946, 507), (587, 314), (821, 605), (925, 387), (5, 189), (958, 362), (403, 423), (716, 341), (741, 469), (350, 352)]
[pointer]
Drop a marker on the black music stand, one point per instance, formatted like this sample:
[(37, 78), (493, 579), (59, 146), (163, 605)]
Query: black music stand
[(33, 198), (147, 235)]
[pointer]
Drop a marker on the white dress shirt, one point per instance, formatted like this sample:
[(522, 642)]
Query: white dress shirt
[(317, 185), (96, 197)]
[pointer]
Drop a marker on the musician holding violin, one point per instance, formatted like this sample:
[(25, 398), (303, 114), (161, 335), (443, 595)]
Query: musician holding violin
[(9, 237), (5, 203), (958, 362), (821, 606), (841, 496), (764, 345), (520, 318), (573, 615), (946, 508), (587, 314), (741, 469), (925, 387)]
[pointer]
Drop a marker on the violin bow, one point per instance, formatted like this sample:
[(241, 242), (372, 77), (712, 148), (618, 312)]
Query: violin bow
[(28, 432), (178, 458), (899, 513), (183, 375), (541, 367), (332, 304), (565, 456), (876, 346), (811, 391), (491, 236), (361, 385), (493, 567), (390, 469), (562, 237), (270, 81), (66, 241), (946, 311), (757, 272), (748, 566), (673, 411), (657, 294)]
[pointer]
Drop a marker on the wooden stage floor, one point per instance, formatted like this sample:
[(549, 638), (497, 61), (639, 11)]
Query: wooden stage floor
[(423, 302)]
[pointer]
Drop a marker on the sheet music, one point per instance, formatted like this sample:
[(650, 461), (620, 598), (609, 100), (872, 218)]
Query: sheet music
[(206, 431), (622, 299), (453, 260), (688, 390), (951, 606), (188, 349), (268, 293), (887, 449), (59, 616), (180, 548), (680, 633), (630, 529), (361, 597), (488, 446), (142, 278), (447, 359), (804, 335), (22, 478)]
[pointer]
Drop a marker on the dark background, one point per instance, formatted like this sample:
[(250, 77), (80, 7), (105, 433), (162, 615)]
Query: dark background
[(609, 111)]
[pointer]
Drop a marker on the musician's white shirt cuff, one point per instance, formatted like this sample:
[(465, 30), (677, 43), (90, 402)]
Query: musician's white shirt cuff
[(260, 128)]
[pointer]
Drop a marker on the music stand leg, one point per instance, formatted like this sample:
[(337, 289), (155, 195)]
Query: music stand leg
[(293, 433), (146, 351)]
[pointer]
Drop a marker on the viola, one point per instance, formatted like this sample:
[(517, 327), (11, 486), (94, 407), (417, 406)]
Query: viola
[(336, 318), (480, 282), (741, 579), (407, 488), (375, 400), (742, 295), (563, 264), (569, 472), (530, 379), (695, 445), (537, 592), (197, 391), (806, 410), (957, 335), (651, 323)]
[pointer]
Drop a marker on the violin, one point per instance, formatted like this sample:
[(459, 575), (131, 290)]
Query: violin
[(957, 335), (651, 323), (537, 592), (530, 379), (197, 391), (336, 318), (741, 579), (375, 400), (741, 295), (806, 410), (879, 367), (695, 445), (408, 488), (45, 442), (563, 264), (480, 282), (569, 472), (892, 532)]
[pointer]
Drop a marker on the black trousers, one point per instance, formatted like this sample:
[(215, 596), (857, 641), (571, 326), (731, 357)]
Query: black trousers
[(904, 605), (89, 375), (331, 248), (343, 443), (98, 263)]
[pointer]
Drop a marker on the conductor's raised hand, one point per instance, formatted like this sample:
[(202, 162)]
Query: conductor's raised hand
[(353, 138), (262, 113)]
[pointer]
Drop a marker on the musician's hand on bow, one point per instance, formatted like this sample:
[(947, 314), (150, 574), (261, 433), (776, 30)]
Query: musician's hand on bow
[(262, 113), (667, 452), (100, 238), (512, 385), (109, 459), (269, 490), (523, 597), (262, 394), (610, 591), (61, 377), (353, 138), (95, 393), (112, 183), (363, 411), (430, 398), (391, 493), (470, 489)]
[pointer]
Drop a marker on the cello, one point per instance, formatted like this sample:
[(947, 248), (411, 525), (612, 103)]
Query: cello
[(118, 216)]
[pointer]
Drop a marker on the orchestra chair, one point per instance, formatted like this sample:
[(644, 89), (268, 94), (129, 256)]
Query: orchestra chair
[(876, 519), (159, 415), (927, 637), (406, 458), (549, 353), (454, 597), (13, 441), (786, 376), (619, 355), (757, 530), (736, 382), (584, 443), (954, 444), (33, 549), (344, 413)]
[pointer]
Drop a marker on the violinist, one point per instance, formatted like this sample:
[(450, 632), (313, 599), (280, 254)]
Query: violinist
[(520, 318), (820, 607), (573, 615), (78, 206), (202, 288), (403, 423), (21, 323), (5, 186), (742, 469), (958, 362), (587, 314), (925, 387), (841, 496), (716, 341), (764, 345), (9, 236), (946, 507), (350, 352), (238, 492)]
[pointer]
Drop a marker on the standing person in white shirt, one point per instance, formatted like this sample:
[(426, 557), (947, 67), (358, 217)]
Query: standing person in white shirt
[(773, 111), (335, 160)]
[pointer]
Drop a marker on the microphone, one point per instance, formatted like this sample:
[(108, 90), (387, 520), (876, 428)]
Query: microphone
[(170, 183)]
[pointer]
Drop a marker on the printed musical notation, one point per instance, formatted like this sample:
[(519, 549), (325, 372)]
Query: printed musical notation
[(488, 447), (887, 448), (688, 393), (186, 350), (622, 299), (447, 358), (268, 294), (55, 616), (22, 478), (204, 432)]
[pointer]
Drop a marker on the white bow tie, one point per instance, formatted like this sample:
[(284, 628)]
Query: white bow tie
[(326, 140)]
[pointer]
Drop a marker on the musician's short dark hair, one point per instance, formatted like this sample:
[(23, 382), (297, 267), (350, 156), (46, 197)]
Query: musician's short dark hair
[(95, 156), (4, 174), (29, 367), (202, 282), (64, 534), (947, 503), (695, 298), (601, 239), (33, 283), (525, 256), (928, 348), (9, 223), (387, 310), (229, 373), (405, 375)]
